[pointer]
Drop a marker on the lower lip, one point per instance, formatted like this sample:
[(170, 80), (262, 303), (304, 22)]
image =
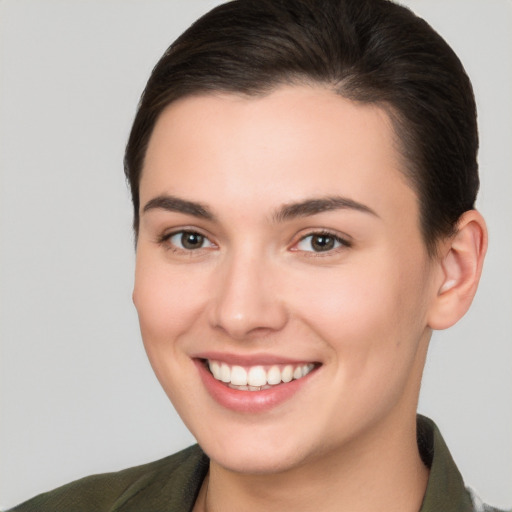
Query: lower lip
[(248, 401)]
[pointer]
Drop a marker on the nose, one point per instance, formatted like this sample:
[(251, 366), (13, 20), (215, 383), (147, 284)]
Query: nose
[(247, 301)]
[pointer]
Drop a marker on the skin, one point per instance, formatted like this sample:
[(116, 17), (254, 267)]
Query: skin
[(363, 311)]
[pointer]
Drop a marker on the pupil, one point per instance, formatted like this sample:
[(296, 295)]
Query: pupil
[(322, 243), (191, 240)]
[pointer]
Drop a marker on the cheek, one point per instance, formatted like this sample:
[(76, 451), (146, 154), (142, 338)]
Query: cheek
[(167, 303), (167, 299), (370, 313), (343, 305)]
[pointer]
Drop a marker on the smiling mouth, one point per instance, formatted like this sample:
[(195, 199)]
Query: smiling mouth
[(257, 378)]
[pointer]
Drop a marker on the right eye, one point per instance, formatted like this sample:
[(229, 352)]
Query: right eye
[(188, 241)]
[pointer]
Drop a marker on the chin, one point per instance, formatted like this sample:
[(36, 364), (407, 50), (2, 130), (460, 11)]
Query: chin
[(256, 452), (255, 462)]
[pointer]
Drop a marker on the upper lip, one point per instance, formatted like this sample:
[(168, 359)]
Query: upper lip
[(250, 359)]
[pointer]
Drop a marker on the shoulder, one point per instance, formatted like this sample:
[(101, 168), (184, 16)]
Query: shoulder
[(160, 485), (480, 506)]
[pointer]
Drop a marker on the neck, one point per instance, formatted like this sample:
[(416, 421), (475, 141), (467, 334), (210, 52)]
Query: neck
[(368, 475)]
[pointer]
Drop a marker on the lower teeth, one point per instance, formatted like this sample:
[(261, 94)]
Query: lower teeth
[(249, 388)]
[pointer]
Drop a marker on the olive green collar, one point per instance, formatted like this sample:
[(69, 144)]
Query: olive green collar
[(445, 489)]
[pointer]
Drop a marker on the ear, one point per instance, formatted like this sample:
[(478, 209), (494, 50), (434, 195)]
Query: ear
[(461, 261)]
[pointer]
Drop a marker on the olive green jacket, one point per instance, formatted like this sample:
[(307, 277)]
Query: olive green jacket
[(172, 484)]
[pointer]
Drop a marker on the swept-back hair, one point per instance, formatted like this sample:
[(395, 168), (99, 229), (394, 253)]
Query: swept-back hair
[(369, 51)]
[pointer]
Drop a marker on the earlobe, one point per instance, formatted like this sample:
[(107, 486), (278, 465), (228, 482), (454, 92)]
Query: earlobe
[(460, 269)]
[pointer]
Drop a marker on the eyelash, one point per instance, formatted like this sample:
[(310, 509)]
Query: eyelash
[(343, 243)]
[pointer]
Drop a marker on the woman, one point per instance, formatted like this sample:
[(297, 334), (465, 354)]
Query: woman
[(303, 182)]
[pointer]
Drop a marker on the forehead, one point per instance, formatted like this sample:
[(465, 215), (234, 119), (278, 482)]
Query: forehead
[(295, 142)]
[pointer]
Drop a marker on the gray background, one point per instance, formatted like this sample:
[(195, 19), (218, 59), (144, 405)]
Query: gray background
[(77, 394)]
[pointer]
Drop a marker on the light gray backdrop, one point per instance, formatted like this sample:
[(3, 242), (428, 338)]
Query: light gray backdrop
[(77, 395)]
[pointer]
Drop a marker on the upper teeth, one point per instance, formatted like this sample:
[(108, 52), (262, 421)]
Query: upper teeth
[(258, 376)]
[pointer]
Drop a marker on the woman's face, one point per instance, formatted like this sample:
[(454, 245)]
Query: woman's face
[(279, 240)]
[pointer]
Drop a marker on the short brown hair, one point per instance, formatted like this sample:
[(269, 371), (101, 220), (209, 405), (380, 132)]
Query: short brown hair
[(371, 51)]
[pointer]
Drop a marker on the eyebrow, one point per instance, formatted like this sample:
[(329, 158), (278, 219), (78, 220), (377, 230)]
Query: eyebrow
[(314, 206), (175, 204), (287, 212)]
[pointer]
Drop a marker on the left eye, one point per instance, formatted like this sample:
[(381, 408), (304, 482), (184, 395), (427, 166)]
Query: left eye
[(320, 242), (189, 240)]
